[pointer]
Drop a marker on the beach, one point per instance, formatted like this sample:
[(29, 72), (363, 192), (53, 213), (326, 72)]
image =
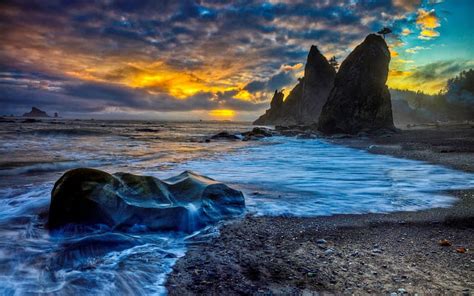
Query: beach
[(398, 252)]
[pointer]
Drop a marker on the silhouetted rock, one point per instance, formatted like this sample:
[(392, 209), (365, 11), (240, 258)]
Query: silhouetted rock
[(225, 136), (275, 113), (56, 115), (257, 133), (305, 101), (186, 202), (360, 100), (318, 81), (31, 120), (35, 112)]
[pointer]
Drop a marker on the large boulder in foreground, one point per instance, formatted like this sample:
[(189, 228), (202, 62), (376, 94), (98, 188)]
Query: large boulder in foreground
[(185, 202), (360, 100)]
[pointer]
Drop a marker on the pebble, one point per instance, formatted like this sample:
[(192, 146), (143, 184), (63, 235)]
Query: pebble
[(329, 252), (401, 290), (321, 241)]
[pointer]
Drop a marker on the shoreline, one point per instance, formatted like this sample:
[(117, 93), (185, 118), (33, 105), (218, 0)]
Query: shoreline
[(347, 254)]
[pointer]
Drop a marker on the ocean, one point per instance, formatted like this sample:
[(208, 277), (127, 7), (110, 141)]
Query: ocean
[(279, 176)]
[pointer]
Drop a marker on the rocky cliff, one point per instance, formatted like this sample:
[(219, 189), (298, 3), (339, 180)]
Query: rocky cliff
[(304, 103), (360, 100)]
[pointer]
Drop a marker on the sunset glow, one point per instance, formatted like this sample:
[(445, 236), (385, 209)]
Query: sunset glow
[(175, 60)]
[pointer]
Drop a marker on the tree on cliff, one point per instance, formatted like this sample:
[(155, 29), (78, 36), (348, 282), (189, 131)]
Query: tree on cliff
[(384, 31), (334, 63)]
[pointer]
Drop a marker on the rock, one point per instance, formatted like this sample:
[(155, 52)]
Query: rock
[(35, 112), (402, 291), (257, 133), (147, 130), (31, 120), (321, 241), (329, 252), (276, 114), (319, 78), (360, 100), (305, 101), (225, 136), (185, 202), (444, 243)]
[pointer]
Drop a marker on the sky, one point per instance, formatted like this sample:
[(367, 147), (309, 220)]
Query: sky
[(210, 59)]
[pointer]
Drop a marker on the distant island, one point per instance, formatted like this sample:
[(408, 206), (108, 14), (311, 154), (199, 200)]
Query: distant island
[(36, 112)]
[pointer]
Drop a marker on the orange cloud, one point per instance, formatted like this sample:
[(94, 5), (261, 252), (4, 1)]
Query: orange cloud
[(428, 34), (393, 53), (287, 68), (406, 32), (427, 21)]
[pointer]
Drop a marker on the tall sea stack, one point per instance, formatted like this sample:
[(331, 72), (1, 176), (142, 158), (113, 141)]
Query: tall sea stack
[(360, 100), (318, 81), (305, 101)]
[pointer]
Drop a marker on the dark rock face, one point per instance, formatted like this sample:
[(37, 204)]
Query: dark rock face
[(318, 81), (275, 113), (305, 101), (35, 112), (360, 100), (225, 136), (185, 202)]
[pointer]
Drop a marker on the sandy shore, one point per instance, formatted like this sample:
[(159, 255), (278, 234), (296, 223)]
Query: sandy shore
[(348, 254)]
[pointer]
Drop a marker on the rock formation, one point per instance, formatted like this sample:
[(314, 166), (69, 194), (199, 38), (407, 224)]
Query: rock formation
[(360, 100), (304, 103), (275, 114), (318, 81), (35, 112), (185, 202)]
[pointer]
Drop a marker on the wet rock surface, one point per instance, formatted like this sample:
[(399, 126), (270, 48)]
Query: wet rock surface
[(185, 202), (360, 99)]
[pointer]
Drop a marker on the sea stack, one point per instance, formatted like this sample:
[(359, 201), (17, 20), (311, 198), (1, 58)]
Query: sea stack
[(319, 78), (35, 112), (305, 101), (360, 99), (275, 113)]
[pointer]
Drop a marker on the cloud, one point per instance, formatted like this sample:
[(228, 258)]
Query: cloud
[(429, 78), (282, 79), (407, 5), (427, 21), (406, 32), (174, 55), (415, 49)]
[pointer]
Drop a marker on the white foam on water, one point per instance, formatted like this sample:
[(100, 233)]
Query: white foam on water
[(279, 176)]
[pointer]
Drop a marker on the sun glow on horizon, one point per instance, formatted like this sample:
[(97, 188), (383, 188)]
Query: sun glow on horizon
[(222, 114)]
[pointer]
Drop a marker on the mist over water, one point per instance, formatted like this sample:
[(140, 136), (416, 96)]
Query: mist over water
[(279, 176)]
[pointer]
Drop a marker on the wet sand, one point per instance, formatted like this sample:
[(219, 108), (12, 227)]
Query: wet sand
[(348, 254)]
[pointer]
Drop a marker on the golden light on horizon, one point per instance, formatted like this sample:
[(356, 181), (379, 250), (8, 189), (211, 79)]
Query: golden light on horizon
[(403, 80), (222, 114)]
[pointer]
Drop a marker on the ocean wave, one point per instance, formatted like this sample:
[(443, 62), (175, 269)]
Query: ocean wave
[(46, 167), (77, 132)]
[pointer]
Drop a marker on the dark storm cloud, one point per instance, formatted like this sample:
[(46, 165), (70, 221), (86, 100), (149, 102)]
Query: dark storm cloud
[(57, 38), (277, 81)]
